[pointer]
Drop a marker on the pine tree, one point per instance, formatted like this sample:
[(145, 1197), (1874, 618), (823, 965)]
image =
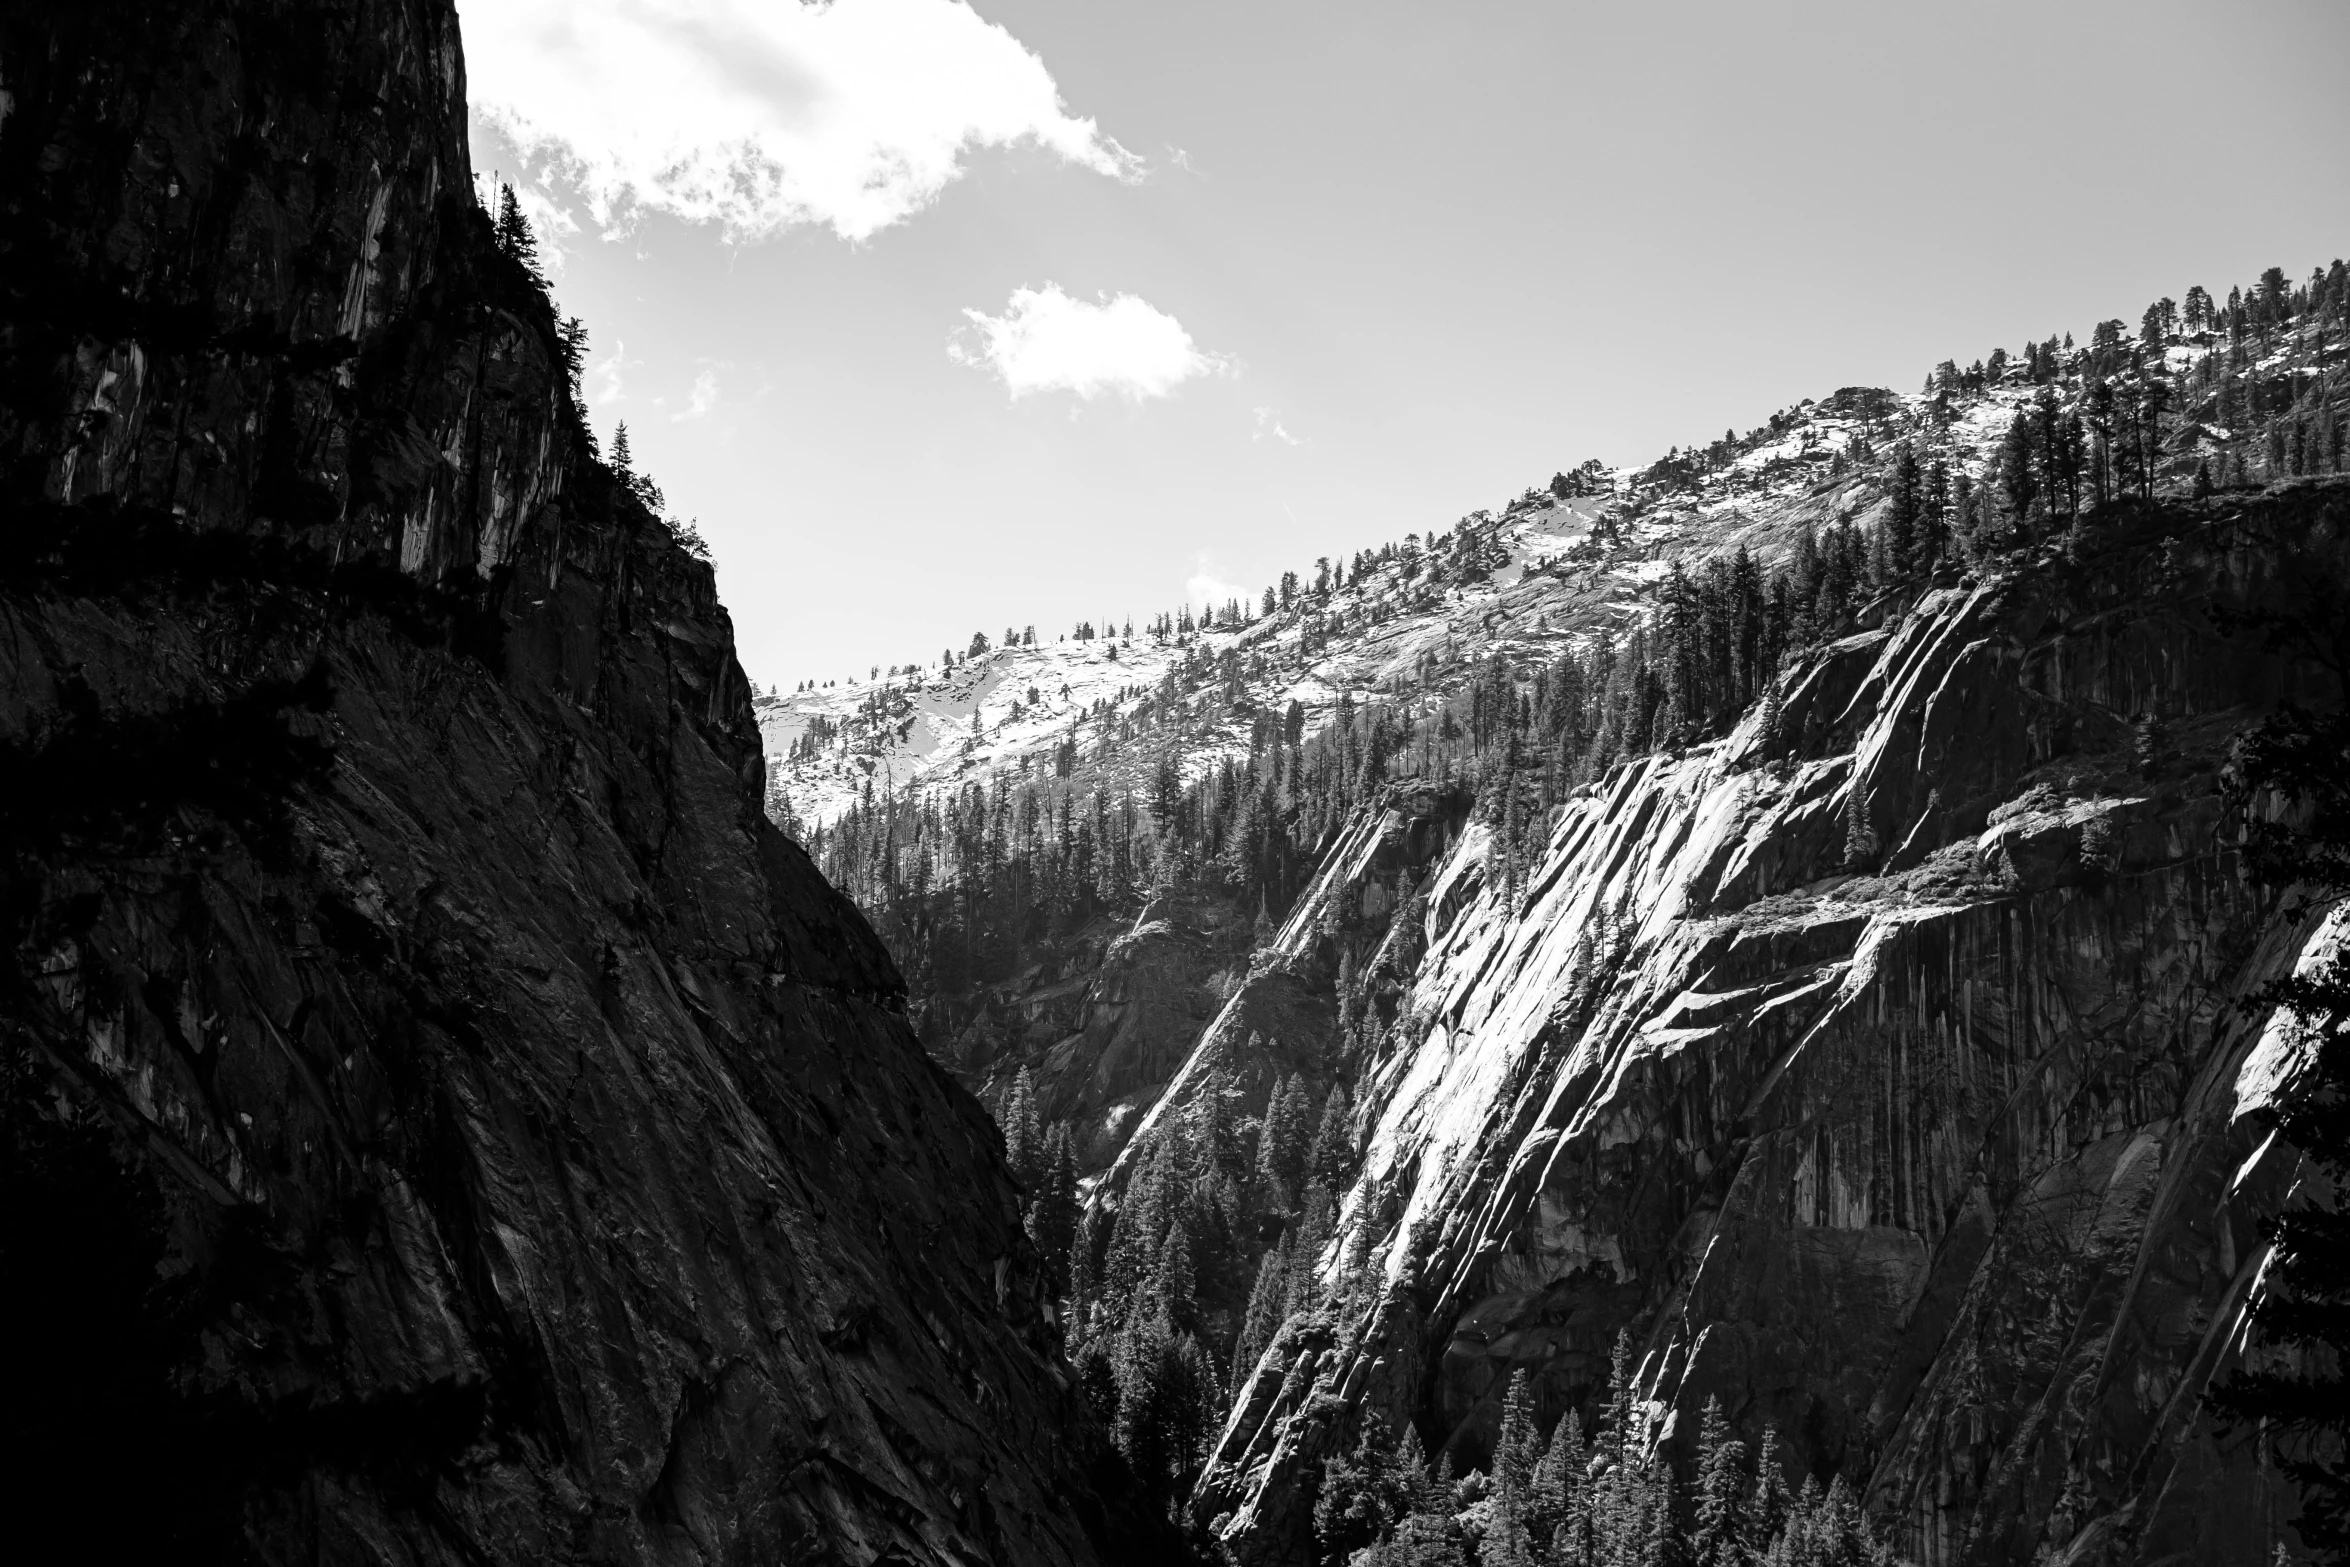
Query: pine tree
[(1519, 1446), (1804, 1532), (1507, 1542), (1142, 1222), (1195, 1407), (1766, 1512), (1618, 1437), (515, 240), (2071, 460), (1905, 515), (1284, 1145), (2152, 402), (1425, 1487), (1095, 1362), (1333, 1150), (1146, 1427), (1023, 1143), (1719, 1539), (1774, 722), (1308, 1239), (1660, 1541), (1174, 1284), (1053, 1212), (1364, 1494), (1860, 831), (2019, 468), (1842, 1534), (1934, 520), (1556, 1499), (573, 341), (1263, 1317)]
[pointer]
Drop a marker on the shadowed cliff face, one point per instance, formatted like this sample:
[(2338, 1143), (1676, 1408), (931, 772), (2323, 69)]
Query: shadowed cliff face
[(1878, 1070), (444, 1120), (1107, 1016)]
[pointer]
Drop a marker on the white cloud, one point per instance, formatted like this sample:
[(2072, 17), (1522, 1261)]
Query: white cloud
[(1047, 340), (610, 371), (761, 114), (1269, 426), (1208, 585), (701, 399)]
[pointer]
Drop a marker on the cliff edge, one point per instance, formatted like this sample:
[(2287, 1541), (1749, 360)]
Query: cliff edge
[(444, 1120)]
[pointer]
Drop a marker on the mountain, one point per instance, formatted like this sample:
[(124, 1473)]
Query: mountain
[(1932, 1156), (896, 780), (444, 1120), (1718, 1005), (1777, 911)]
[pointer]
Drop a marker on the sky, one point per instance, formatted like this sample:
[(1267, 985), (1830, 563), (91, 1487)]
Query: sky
[(939, 319)]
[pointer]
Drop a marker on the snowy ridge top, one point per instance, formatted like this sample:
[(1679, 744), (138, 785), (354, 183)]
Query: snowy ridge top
[(1553, 568)]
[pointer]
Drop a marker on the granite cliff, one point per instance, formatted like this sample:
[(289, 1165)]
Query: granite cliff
[(1774, 907), (1876, 1066), (445, 1121)]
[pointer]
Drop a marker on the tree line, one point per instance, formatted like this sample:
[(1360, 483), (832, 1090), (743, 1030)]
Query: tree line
[(1614, 1498), (1173, 1289)]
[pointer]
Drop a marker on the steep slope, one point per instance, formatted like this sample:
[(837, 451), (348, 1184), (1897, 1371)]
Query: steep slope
[(967, 775), (1921, 1141), (1269, 845), (1766, 903), (444, 1120)]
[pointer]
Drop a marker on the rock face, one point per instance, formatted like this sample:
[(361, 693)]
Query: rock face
[(1282, 1016), (1105, 1017), (444, 1120), (1876, 1067)]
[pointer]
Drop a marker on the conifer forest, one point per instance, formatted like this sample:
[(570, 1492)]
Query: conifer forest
[(1781, 1007), (1203, 1252)]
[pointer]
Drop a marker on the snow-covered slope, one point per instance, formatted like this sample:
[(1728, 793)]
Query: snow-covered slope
[(1544, 569)]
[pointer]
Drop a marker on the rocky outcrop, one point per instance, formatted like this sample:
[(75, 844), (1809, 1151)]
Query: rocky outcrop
[(1101, 1017), (444, 1120), (1282, 1017), (1876, 1067)]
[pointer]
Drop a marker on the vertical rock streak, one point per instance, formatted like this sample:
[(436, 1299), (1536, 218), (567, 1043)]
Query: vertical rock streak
[(1935, 1161)]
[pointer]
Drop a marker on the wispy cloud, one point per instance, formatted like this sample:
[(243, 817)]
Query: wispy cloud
[(610, 374), (1269, 428), (701, 399), (759, 115), (1207, 584), (1047, 340)]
